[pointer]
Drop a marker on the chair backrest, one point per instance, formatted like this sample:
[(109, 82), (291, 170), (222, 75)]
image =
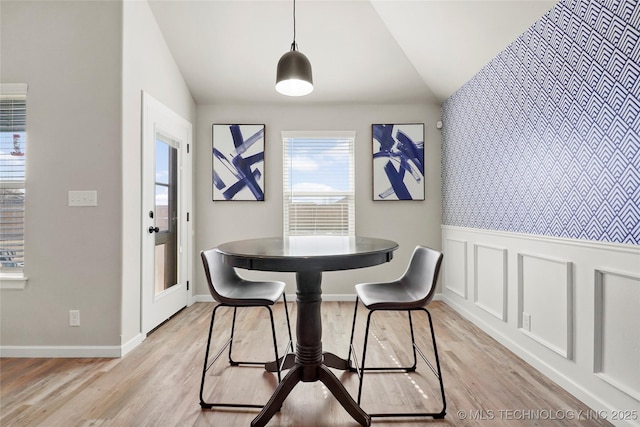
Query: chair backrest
[(422, 273), (221, 277)]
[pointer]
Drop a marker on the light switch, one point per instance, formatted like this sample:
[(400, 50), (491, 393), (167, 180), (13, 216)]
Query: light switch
[(83, 198)]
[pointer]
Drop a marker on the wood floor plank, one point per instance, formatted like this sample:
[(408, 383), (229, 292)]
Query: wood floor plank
[(157, 384)]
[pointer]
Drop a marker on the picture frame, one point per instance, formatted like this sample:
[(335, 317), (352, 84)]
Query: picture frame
[(398, 161), (238, 162)]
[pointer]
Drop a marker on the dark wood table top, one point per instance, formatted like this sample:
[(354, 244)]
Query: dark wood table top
[(304, 253)]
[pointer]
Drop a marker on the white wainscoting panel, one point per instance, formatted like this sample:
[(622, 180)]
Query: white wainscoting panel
[(617, 346), (455, 262), (581, 298), (545, 297), (490, 280)]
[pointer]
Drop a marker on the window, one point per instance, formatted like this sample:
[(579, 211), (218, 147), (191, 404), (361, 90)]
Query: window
[(318, 183), (13, 100)]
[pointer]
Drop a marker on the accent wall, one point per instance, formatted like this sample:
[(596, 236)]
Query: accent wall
[(541, 201), (546, 138)]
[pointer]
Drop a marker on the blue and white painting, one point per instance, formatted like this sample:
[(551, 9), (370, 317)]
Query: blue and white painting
[(398, 161), (238, 162)]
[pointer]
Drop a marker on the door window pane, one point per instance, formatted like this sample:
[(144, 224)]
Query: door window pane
[(166, 214)]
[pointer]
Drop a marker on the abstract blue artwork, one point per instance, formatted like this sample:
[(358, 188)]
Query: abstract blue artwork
[(398, 161), (545, 139), (238, 162)]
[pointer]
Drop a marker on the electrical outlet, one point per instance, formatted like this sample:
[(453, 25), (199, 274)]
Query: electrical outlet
[(74, 317), (526, 321)]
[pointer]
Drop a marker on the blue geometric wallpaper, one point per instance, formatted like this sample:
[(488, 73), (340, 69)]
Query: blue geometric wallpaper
[(545, 139)]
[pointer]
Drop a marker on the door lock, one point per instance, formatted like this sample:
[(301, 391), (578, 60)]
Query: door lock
[(153, 229)]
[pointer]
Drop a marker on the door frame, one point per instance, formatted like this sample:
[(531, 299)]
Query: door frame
[(156, 117)]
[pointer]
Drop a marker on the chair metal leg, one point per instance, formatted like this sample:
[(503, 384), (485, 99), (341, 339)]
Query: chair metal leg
[(233, 327), (411, 368), (205, 368), (275, 341), (364, 355), (416, 350), (286, 313), (229, 343), (353, 329), (207, 365), (253, 363), (439, 374), (273, 328), (413, 344), (287, 360)]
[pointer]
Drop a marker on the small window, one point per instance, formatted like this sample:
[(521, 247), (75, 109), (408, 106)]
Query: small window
[(318, 183), (13, 103)]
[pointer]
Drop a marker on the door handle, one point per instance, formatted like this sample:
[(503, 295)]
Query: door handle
[(153, 229)]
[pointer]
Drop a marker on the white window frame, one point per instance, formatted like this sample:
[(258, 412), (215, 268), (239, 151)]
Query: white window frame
[(13, 277), (289, 195)]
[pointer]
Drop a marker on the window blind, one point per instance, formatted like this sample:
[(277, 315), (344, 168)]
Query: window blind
[(13, 103), (318, 185)]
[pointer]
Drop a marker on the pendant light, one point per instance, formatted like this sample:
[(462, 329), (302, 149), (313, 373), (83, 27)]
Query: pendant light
[(293, 77)]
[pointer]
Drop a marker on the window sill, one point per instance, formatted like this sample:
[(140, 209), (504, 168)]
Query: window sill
[(15, 280)]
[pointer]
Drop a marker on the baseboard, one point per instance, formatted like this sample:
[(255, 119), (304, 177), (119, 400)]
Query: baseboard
[(60, 351), (596, 403), (292, 297), (120, 351), (203, 298), (325, 297), (131, 344), (71, 351)]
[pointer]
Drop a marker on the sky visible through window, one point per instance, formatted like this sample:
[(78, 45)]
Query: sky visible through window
[(319, 165), (162, 173)]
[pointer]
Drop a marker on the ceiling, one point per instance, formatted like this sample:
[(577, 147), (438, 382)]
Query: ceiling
[(361, 51)]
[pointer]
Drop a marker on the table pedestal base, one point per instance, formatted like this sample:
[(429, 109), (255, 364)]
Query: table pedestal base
[(310, 364), (324, 375)]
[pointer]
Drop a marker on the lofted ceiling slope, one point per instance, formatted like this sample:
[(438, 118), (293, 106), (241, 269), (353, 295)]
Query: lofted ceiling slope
[(362, 51)]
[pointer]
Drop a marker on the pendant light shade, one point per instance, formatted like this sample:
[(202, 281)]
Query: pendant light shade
[(293, 76)]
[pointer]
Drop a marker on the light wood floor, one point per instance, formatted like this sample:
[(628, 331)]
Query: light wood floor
[(157, 384)]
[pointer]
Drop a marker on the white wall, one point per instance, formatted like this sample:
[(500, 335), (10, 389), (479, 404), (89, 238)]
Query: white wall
[(147, 65), (69, 53), (395, 220), (86, 64), (582, 298)]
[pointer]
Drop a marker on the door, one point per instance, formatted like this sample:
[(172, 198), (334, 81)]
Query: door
[(166, 200)]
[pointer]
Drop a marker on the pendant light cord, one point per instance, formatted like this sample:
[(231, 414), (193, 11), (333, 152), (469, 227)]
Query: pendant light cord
[(294, 46)]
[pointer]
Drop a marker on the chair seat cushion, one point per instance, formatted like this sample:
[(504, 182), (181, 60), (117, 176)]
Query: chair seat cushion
[(387, 296), (248, 293)]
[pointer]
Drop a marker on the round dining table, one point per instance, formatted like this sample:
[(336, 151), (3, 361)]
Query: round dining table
[(308, 257)]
